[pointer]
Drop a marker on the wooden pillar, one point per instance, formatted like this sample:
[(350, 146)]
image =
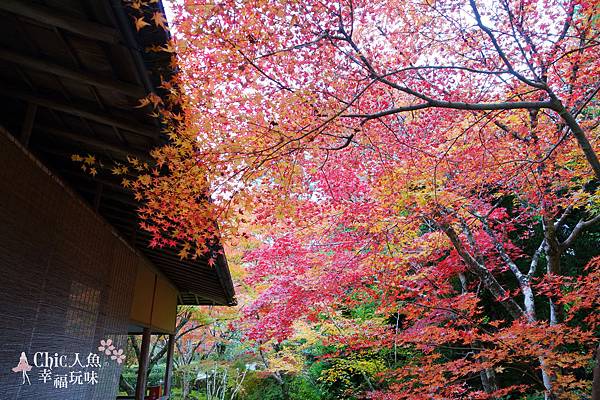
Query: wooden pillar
[(169, 369), (140, 388), (28, 124)]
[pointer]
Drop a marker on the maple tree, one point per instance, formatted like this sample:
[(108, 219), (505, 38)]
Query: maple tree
[(437, 157)]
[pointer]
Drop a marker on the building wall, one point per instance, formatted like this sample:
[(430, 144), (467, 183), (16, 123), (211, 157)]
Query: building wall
[(66, 282)]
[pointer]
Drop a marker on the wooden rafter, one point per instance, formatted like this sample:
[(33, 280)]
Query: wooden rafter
[(50, 16), (84, 77), (28, 123), (118, 151), (80, 111)]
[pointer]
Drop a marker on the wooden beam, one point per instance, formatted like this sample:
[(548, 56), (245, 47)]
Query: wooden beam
[(83, 112), (110, 190), (98, 196), (169, 366), (108, 195), (54, 17), (140, 388), (134, 230), (222, 270), (87, 78), (28, 124), (95, 143)]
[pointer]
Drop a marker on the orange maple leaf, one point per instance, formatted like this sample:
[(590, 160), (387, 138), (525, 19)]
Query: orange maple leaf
[(159, 19), (143, 102), (152, 98), (183, 253), (140, 23)]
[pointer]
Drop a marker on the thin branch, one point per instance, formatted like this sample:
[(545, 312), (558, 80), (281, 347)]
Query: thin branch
[(511, 105), (488, 31), (445, 67), (490, 282), (581, 225), (563, 218), (503, 254), (535, 260)]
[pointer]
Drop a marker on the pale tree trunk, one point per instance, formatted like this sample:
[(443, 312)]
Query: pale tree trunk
[(551, 245), (554, 251), (488, 380), (495, 288), (596, 376), (488, 376), (285, 395), (185, 386)]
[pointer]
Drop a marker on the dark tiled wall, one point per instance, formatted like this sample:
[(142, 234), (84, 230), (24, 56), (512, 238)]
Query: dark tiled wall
[(65, 281)]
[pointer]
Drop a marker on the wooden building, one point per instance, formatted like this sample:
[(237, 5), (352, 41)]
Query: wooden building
[(75, 269)]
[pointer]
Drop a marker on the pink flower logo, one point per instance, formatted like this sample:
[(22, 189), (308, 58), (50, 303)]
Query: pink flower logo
[(118, 355), (106, 346)]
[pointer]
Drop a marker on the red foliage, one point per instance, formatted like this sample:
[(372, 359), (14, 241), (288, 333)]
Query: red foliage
[(425, 154)]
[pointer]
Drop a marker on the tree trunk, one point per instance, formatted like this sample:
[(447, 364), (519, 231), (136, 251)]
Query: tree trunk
[(496, 289), (185, 386), (556, 310), (553, 251), (596, 376), (285, 395), (126, 386), (548, 380), (488, 380)]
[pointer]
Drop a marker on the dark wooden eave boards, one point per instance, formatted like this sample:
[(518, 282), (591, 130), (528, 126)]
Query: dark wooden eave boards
[(71, 74)]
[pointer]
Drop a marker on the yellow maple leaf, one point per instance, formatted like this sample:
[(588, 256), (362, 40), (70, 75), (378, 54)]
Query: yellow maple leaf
[(145, 179), (133, 160), (90, 160), (183, 253)]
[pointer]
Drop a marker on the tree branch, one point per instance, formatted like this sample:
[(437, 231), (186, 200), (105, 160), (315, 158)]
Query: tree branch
[(581, 225), (536, 259), (509, 105), (582, 139), (503, 254), (483, 273), (488, 31)]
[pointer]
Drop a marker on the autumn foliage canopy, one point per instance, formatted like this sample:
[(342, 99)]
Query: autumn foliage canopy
[(435, 158)]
